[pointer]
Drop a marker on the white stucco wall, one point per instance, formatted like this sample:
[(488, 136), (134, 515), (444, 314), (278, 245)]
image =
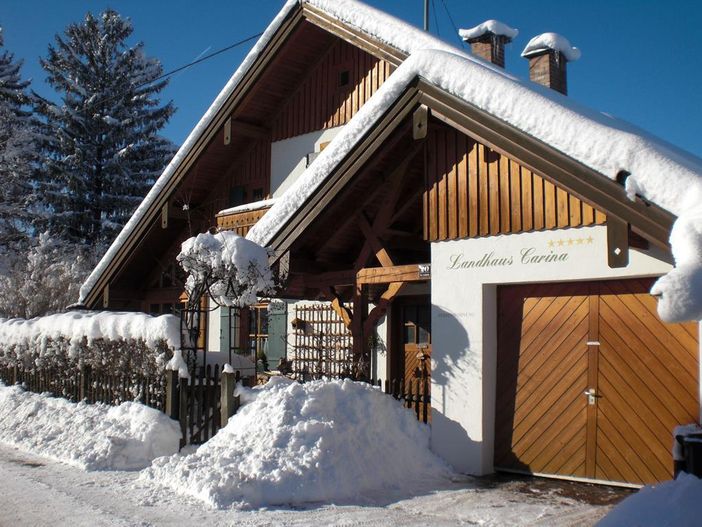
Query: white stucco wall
[(288, 157), (214, 325), (464, 317)]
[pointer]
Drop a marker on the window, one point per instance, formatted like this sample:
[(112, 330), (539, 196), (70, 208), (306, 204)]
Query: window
[(344, 78), (258, 330), (230, 330), (257, 194), (237, 195)]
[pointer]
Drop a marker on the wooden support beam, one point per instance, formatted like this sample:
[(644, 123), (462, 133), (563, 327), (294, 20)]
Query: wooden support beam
[(360, 309), (341, 310), (397, 273), (617, 242), (375, 244), (382, 306)]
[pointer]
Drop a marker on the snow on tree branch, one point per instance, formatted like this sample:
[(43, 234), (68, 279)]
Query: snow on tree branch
[(231, 269)]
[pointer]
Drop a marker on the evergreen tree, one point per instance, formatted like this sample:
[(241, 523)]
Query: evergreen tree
[(18, 144), (103, 151)]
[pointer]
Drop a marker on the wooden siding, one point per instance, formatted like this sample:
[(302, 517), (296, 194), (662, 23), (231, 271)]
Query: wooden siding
[(644, 372), (253, 171), (320, 102), (240, 222), (472, 191)]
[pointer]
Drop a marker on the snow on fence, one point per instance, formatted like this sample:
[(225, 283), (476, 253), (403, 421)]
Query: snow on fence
[(97, 356)]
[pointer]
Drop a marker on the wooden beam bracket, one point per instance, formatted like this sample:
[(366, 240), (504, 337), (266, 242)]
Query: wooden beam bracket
[(617, 242), (420, 122)]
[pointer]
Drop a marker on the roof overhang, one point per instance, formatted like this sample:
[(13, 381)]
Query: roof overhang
[(599, 191)]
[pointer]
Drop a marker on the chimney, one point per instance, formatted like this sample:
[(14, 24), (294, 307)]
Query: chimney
[(488, 40), (548, 55)]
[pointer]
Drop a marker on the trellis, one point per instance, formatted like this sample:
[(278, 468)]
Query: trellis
[(323, 345)]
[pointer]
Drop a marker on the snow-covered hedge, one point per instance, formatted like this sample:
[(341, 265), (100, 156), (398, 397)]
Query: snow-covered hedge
[(118, 343)]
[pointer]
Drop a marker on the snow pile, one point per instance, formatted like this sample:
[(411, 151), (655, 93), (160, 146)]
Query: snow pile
[(673, 503), (91, 437), (75, 326), (324, 441), (489, 27), (551, 41), (231, 269)]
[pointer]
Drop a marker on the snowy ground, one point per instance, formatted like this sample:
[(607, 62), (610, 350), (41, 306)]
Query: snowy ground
[(40, 492)]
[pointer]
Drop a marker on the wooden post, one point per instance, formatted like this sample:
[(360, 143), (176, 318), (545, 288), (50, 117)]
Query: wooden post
[(229, 403), (14, 374), (172, 395), (84, 382), (183, 410)]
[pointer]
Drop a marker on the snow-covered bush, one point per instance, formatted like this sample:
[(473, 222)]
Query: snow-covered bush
[(132, 345), (44, 280), (231, 269)]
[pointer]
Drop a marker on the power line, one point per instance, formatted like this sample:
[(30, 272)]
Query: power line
[(455, 27), (436, 18), (206, 57), (181, 68)]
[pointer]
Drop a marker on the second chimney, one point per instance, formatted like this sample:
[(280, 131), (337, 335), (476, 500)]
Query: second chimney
[(488, 40), (548, 55)]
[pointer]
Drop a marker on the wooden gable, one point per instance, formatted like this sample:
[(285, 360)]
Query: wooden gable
[(307, 78), (344, 78), (473, 191)]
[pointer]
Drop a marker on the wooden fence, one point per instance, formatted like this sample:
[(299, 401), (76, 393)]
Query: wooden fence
[(88, 385), (196, 403), (414, 395), (202, 404)]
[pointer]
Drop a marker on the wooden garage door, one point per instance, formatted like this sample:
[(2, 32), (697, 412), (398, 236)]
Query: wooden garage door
[(557, 343)]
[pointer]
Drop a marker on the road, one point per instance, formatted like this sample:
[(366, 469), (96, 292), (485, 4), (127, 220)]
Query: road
[(38, 492)]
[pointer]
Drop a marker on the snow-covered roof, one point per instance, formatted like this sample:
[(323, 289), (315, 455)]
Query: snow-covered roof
[(382, 26), (551, 41), (489, 27), (669, 177)]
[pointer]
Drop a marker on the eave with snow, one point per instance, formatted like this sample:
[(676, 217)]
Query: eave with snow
[(439, 181)]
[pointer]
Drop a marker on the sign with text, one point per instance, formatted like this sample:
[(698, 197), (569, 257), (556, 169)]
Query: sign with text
[(557, 251)]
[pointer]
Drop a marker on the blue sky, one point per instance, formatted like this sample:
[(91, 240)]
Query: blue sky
[(640, 62)]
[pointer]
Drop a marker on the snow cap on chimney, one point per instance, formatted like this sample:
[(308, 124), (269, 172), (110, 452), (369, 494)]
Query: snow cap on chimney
[(548, 55), (487, 40), (546, 42)]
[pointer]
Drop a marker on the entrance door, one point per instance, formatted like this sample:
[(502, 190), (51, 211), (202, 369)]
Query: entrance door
[(590, 383), (412, 357)]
